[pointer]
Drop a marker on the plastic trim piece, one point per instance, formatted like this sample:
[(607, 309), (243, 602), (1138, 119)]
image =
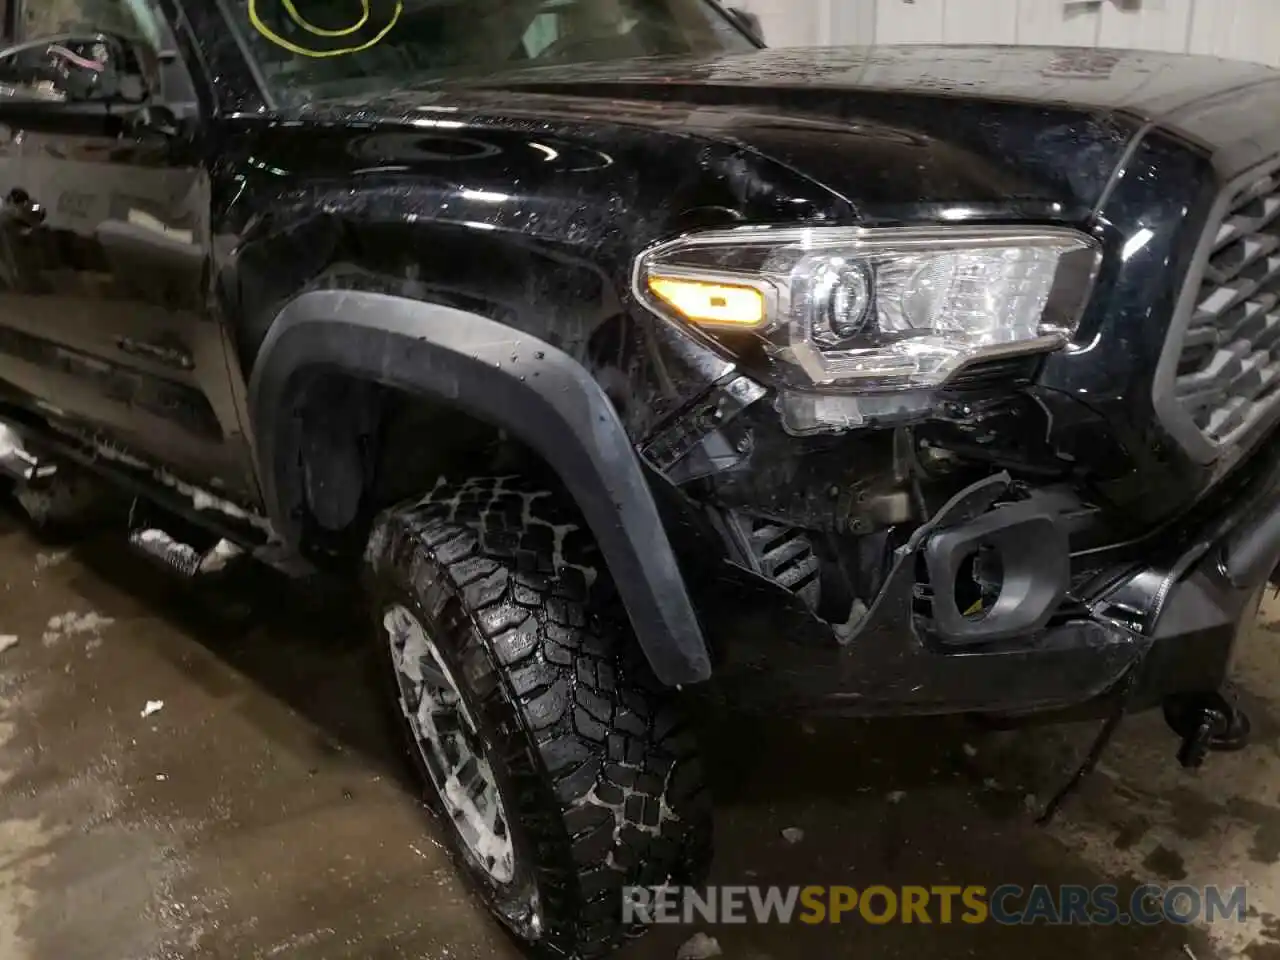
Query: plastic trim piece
[(1251, 554), (511, 379), (1036, 566)]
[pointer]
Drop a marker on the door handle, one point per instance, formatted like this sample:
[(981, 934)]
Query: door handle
[(20, 209)]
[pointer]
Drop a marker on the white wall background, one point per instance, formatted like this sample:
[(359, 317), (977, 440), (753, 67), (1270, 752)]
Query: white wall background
[(1243, 29)]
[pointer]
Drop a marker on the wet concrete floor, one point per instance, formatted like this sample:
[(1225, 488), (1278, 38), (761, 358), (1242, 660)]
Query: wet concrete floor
[(263, 810)]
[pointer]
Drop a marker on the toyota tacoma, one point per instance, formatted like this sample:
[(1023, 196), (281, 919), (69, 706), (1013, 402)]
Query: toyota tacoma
[(626, 362)]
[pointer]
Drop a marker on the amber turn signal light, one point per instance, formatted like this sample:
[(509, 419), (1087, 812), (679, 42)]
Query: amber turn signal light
[(719, 304)]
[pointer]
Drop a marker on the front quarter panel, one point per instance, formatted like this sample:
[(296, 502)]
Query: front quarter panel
[(535, 230), (489, 268)]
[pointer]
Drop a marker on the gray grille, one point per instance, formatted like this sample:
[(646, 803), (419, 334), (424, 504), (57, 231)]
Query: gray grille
[(1228, 374)]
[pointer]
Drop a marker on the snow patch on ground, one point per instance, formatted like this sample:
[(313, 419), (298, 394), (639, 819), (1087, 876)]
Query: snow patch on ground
[(72, 624), (47, 561), (699, 947)]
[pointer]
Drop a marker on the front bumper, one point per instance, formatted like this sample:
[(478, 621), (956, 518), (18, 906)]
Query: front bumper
[(1170, 606)]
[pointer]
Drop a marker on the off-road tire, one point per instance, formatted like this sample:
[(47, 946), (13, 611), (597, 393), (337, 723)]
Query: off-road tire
[(592, 753)]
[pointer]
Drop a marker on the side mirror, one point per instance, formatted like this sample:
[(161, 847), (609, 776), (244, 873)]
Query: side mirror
[(749, 22), (76, 68)]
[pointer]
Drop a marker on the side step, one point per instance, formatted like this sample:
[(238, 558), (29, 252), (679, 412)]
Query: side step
[(187, 550)]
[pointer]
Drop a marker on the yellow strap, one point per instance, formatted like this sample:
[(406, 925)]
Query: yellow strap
[(292, 47)]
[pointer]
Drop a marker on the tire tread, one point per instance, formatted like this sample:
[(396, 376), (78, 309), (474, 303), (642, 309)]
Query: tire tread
[(613, 767)]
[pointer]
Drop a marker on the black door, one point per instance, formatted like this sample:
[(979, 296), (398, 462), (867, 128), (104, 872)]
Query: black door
[(104, 243)]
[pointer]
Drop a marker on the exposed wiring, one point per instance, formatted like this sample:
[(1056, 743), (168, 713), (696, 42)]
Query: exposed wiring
[(1124, 692), (75, 59), (258, 24)]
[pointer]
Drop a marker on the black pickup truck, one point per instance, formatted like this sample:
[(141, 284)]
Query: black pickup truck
[(625, 361)]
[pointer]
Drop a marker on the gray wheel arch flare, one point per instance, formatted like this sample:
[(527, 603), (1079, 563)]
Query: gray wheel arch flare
[(511, 379)]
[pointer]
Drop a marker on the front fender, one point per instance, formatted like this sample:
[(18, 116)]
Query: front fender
[(512, 380)]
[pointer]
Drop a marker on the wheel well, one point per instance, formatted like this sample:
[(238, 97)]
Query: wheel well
[(320, 440), (357, 447)]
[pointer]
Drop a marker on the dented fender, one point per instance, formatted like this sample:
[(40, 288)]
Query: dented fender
[(513, 380)]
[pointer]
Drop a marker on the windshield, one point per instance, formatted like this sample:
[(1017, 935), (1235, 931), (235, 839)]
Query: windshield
[(305, 47)]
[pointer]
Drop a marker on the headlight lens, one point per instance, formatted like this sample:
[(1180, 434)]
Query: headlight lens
[(877, 309)]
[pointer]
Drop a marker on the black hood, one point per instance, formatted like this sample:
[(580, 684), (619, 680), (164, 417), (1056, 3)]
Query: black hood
[(888, 126), (898, 133), (1153, 85)]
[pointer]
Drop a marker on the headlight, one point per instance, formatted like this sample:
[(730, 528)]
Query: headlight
[(876, 310)]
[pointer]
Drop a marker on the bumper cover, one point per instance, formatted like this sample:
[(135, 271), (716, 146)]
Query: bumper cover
[(1170, 606)]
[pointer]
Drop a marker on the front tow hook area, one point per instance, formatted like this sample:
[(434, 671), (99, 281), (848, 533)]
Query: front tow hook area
[(1206, 722)]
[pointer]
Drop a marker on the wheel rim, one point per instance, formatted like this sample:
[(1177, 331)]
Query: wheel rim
[(451, 748)]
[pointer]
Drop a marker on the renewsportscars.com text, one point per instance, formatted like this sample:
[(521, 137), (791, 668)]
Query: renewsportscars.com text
[(1008, 904)]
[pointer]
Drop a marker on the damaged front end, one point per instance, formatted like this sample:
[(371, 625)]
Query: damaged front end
[(985, 606), (929, 550)]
